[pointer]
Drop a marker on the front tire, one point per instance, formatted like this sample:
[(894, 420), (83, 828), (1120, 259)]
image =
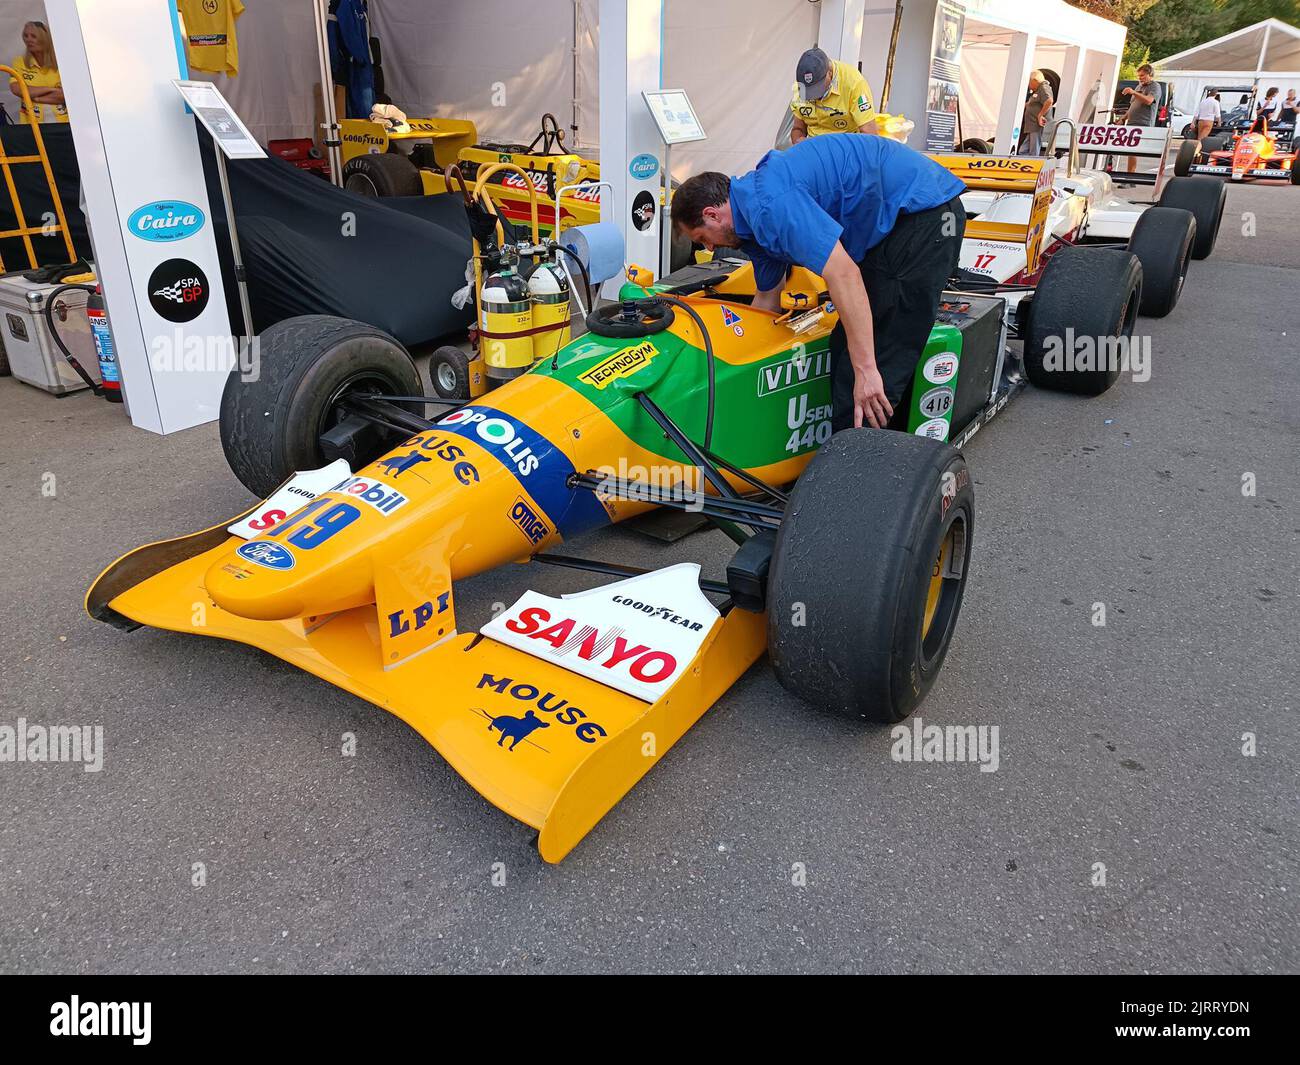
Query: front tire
[(384, 175), (271, 425), (1162, 240), (862, 603), (1204, 197), (1188, 153), (1085, 294)]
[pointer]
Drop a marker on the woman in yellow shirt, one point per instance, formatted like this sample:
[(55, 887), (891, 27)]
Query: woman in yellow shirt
[(39, 69)]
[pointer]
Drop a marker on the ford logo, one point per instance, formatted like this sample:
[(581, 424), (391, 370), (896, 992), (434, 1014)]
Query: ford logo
[(643, 167), (164, 221), (272, 556)]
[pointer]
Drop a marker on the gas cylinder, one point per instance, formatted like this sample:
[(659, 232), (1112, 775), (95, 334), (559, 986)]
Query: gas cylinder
[(506, 328), (549, 289)]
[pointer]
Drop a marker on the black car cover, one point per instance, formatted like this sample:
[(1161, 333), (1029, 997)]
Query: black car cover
[(311, 248), (308, 247)]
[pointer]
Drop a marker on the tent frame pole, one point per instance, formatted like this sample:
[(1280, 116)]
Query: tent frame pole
[(320, 9)]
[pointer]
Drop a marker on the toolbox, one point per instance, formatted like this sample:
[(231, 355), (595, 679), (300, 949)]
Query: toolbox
[(33, 356)]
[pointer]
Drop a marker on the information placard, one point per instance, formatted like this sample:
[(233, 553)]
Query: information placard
[(674, 115), (228, 132)]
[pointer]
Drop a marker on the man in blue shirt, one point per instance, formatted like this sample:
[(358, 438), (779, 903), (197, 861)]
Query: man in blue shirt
[(881, 223)]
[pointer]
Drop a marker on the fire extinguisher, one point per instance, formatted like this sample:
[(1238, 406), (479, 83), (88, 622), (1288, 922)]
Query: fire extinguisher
[(110, 384), (108, 373)]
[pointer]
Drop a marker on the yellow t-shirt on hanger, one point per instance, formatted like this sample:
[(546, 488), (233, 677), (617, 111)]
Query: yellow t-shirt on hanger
[(210, 42), (40, 78)]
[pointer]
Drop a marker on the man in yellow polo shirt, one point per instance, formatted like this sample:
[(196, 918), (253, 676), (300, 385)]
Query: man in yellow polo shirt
[(829, 97)]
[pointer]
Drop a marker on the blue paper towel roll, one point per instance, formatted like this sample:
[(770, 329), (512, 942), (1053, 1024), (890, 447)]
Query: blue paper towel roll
[(599, 246)]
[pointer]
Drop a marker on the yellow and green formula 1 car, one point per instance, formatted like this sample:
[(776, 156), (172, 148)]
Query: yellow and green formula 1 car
[(377, 162), (851, 581)]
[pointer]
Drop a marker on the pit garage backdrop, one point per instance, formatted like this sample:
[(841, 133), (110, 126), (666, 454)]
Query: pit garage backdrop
[(502, 63)]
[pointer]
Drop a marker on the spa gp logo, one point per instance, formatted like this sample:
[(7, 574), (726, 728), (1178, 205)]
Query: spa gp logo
[(178, 290)]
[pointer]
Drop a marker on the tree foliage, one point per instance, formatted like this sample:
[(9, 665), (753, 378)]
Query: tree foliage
[(1159, 28)]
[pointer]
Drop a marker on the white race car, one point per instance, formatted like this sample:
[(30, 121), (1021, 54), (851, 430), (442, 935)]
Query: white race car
[(1022, 210)]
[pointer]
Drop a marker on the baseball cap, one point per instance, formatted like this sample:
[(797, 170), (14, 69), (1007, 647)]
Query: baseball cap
[(813, 75)]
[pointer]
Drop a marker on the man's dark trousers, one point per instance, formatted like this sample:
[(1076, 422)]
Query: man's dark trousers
[(904, 275)]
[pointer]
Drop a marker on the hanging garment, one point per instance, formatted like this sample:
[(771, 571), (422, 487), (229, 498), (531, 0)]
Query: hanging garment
[(350, 61), (210, 42)]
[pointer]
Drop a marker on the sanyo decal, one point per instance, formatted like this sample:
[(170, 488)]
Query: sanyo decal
[(165, 221)]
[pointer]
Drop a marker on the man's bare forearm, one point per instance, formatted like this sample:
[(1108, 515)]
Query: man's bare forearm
[(849, 294), (767, 301)]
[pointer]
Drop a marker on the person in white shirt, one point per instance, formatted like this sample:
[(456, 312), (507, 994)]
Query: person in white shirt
[(1208, 115), (1267, 112)]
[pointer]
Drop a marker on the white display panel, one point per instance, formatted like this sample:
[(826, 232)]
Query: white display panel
[(674, 115), (228, 131), (147, 204)]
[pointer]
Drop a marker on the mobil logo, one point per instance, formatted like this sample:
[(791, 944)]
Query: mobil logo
[(272, 556), (164, 221), (496, 433), (384, 498)]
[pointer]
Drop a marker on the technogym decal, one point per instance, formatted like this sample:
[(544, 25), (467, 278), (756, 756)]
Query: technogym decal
[(164, 221)]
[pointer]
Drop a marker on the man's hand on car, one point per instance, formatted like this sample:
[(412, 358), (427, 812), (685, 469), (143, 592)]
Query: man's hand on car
[(870, 404)]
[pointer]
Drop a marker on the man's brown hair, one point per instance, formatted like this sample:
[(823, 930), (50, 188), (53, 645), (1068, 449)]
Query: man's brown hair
[(709, 189)]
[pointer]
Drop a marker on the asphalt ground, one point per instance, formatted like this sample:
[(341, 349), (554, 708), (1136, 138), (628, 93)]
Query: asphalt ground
[(1120, 744)]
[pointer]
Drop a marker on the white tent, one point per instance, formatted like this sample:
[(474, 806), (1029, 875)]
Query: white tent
[(502, 63), (1266, 54)]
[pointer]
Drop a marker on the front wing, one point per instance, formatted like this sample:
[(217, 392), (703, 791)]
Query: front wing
[(468, 696)]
